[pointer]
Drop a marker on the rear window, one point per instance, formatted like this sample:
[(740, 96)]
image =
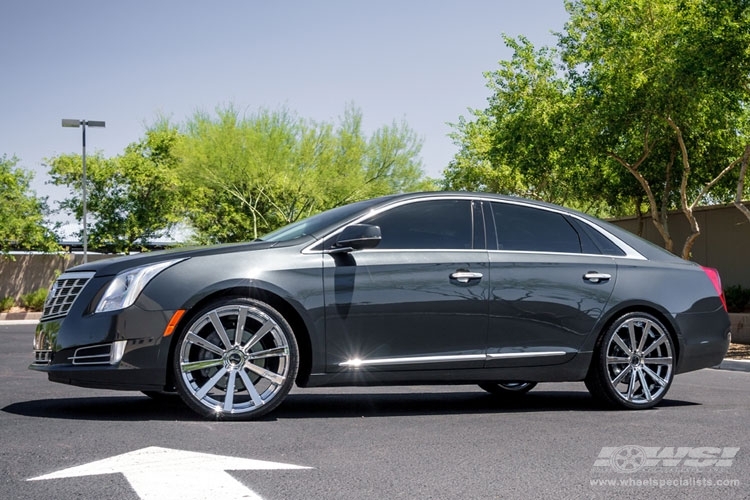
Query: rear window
[(596, 242), (525, 228)]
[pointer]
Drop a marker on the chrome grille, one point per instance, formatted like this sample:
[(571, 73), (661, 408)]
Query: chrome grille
[(63, 293)]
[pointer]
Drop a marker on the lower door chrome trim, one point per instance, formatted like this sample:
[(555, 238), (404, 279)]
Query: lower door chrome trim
[(526, 354), (413, 360), (356, 362)]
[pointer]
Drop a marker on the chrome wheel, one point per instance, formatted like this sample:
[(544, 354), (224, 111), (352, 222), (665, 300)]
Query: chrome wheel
[(236, 360), (507, 388), (634, 366)]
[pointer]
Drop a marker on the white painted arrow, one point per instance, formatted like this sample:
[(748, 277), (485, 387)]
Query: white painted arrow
[(161, 473)]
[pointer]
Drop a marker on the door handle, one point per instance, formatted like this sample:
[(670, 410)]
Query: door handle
[(466, 276), (595, 277)]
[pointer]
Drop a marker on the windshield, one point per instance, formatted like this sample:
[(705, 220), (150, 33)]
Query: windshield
[(319, 222)]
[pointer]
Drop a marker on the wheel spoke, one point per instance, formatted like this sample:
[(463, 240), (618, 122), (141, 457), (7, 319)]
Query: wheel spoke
[(631, 333), (615, 360), (257, 400), (644, 386), (621, 376), (267, 374), (656, 378), (656, 343), (644, 336), (631, 385), (221, 332), (201, 393), (622, 345), (229, 397), (241, 319), (269, 353), (200, 341), (264, 329), (200, 365)]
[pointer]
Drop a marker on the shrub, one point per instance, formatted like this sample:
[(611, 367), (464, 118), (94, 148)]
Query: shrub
[(6, 303), (738, 298), (34, 301)]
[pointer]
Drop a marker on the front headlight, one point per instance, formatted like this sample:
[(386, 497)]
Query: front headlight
[(127, 285)]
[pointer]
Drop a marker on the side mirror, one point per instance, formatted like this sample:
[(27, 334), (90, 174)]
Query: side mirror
[(358, 237)]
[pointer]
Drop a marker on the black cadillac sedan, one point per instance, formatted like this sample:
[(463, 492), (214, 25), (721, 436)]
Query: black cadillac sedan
[(428, 288)]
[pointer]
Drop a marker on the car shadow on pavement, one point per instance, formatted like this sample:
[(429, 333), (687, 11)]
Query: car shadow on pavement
[(322, 405), (131, 408), (302, 405)]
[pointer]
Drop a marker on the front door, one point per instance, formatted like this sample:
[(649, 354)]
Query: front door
[(418, 300)]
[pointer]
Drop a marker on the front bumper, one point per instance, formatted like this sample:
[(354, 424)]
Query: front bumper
[(123, 351)]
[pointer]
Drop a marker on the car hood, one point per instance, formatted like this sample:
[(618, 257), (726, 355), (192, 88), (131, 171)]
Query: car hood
[(107, 267)]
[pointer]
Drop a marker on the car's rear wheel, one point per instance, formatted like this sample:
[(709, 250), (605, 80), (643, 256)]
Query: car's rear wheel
[(236, 359), (633, 364), (507, 389)]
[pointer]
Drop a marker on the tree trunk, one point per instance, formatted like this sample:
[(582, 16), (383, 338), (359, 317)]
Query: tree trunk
[(660, 222), (688, 209), (741, 184)]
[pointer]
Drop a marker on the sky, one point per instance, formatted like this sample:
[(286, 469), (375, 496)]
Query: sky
[(129, 62)]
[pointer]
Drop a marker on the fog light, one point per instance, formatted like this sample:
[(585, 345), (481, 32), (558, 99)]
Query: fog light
[(117, 352)]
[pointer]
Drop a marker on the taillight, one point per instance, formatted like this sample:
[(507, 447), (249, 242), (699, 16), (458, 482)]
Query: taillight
[(713, 275)]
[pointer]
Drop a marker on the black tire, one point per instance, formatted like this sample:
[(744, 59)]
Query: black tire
[(633, 363), (507, 389), (223, 371)]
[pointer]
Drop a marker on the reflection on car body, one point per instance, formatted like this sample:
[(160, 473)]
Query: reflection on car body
[(452, 288)]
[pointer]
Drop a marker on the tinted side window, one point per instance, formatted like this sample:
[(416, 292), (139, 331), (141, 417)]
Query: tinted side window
[(438, 224), (532, 229), (602, 244)]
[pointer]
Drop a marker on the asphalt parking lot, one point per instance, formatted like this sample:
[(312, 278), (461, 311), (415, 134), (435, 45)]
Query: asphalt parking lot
[(437, 442)]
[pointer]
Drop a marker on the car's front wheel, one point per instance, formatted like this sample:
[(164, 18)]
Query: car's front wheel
[(236, 359), (633, 364)]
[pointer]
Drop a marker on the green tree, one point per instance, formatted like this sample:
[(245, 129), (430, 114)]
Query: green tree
[(248, 175), (666, 85), (22, 214), (525, 142), (133, 198), (643, 104)]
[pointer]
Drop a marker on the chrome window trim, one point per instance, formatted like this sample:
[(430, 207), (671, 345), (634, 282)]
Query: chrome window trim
[(630, 252), (371, 212)]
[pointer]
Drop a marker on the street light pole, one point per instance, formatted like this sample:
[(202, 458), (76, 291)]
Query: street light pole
[(67, 122)]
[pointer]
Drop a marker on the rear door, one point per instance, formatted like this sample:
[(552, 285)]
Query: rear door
[(549, 285)]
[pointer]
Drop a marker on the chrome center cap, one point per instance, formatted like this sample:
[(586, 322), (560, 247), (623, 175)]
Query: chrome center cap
[(636, 361), (234, 359)]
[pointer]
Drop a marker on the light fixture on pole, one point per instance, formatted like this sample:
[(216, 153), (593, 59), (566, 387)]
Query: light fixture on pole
[(67, 122)]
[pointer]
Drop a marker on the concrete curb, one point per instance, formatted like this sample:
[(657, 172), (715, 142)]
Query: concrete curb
[(21, 316), (737, 365)]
